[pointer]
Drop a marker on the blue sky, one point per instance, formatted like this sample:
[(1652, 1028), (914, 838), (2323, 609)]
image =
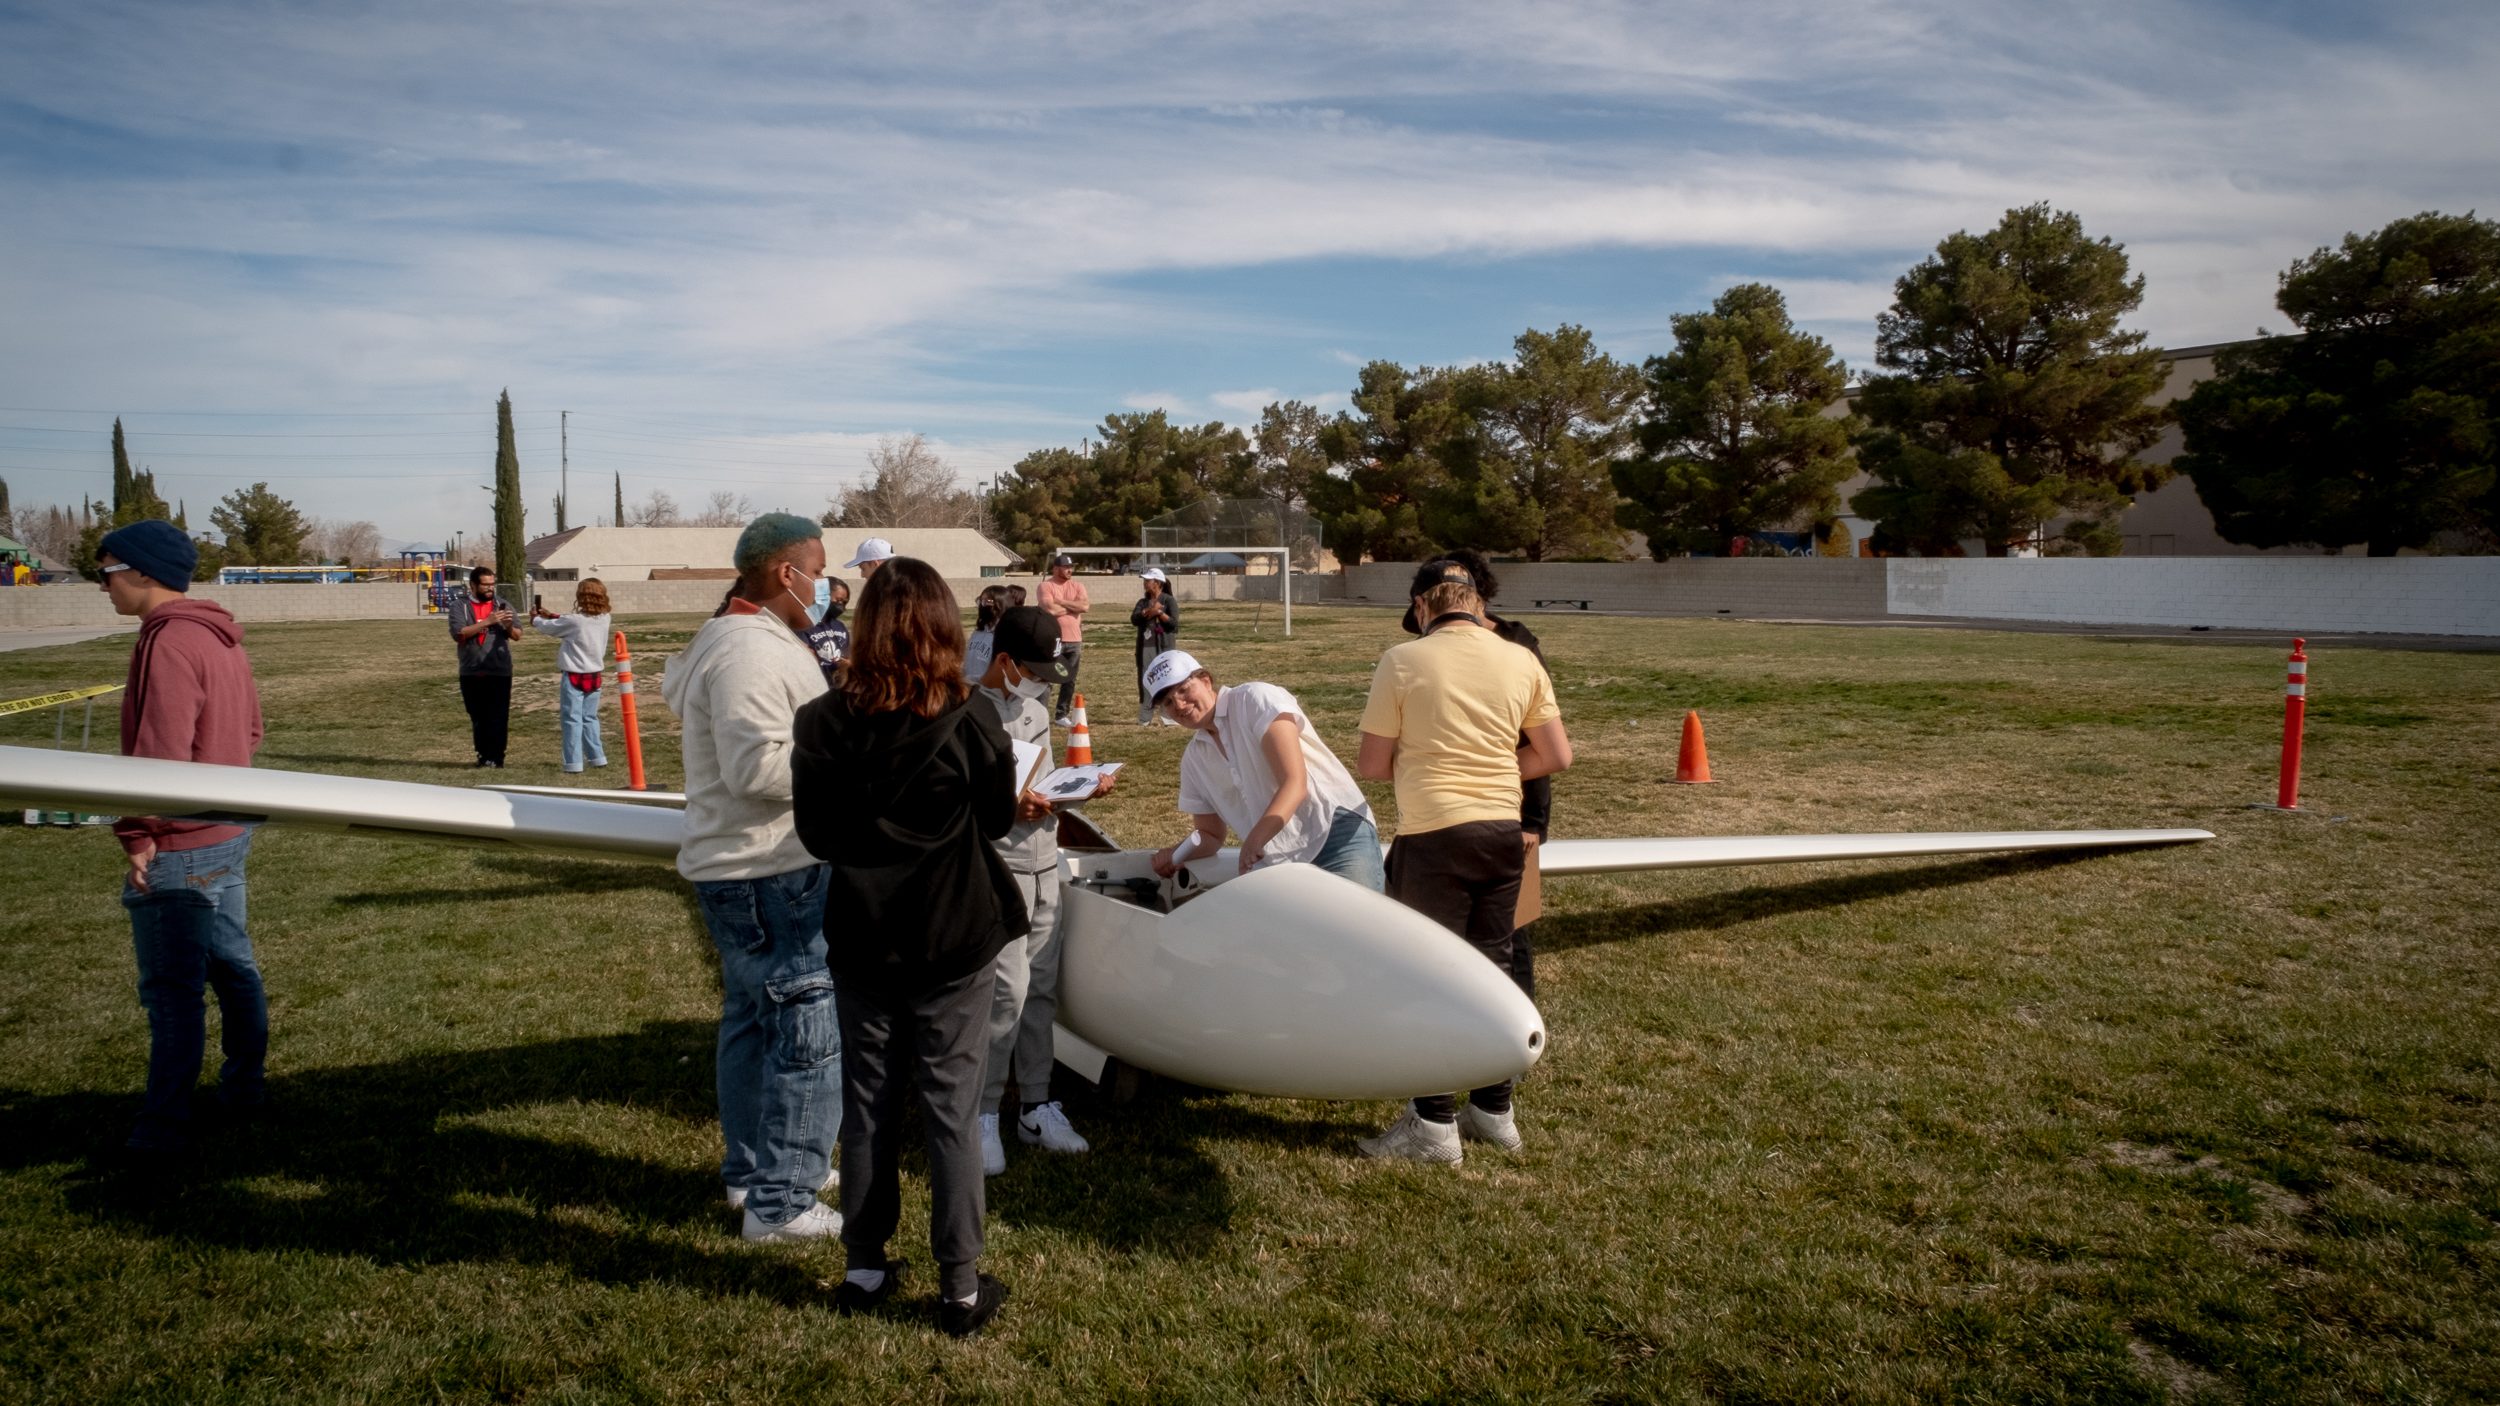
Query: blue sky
[(742, 241)]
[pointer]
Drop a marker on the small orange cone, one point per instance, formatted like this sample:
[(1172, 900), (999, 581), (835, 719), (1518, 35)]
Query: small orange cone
[(1692, 763), (1080, 740)]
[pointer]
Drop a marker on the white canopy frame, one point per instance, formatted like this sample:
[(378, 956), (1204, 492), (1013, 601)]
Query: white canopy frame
[(1283, 555)]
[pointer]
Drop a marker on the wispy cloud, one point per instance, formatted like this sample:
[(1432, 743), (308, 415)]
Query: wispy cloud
[(986, 222)]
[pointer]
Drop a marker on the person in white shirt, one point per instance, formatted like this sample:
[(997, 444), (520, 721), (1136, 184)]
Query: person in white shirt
[(1258, 767), (581, 657)]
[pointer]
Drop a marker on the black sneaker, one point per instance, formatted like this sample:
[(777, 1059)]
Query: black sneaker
[(962, 1320), (850, 1298)]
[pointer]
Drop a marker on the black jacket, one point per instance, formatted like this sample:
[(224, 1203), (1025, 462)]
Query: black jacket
[(1156, 632), (1536, 798), (904, 809)]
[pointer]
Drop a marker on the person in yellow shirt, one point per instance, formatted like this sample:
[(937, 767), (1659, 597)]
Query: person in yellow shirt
[(1445, 723)]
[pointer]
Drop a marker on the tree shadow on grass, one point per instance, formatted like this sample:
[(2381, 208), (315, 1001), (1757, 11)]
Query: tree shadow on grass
[(1707, 912), (398, 1163)]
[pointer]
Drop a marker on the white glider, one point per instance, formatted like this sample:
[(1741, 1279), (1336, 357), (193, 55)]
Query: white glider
[(1288, 981)]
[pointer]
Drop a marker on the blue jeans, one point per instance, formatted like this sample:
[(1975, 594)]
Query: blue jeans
[(1352, 851), (187, 931), (780, 1059), (577, 714)]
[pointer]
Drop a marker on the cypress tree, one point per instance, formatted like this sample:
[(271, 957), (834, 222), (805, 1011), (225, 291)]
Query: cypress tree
[(121, 474), (620, 500), (4, 503), (511, 560)]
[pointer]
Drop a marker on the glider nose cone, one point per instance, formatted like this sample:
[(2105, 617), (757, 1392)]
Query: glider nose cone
[(1294, 982)]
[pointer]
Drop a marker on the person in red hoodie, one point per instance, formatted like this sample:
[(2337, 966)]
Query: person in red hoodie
[(189, 698)]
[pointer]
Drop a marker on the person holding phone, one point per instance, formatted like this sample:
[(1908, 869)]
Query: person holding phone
[(482, 630), (1156, 617), (581, 659)]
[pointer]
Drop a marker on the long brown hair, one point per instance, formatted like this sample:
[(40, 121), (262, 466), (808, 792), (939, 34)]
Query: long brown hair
[(591, 596), (907, 646)]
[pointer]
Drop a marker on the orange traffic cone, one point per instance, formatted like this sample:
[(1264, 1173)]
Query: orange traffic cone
[(1080, 741), (1692, 763)]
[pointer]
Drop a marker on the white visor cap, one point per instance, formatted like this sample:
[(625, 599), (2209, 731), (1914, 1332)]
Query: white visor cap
[(873, 549)]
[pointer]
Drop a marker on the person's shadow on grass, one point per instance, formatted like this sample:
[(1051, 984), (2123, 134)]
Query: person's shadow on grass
[(399, 1163)]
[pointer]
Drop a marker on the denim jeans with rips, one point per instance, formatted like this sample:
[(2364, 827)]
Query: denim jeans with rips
[(780, 1052), (577, 715), (187, 931)]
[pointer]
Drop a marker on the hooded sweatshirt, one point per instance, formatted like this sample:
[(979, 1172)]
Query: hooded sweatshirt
[(189, 698), (737, 688), (905, 808)]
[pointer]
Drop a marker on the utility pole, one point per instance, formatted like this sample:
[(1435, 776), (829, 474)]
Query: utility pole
[(564, 462)]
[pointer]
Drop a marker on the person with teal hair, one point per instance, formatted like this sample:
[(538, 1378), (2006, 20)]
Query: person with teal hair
[(737, 687)]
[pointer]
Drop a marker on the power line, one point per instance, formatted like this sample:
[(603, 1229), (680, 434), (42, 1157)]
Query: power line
[(132, 430), (263, 414)]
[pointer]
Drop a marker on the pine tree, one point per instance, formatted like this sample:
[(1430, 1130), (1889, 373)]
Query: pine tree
[(1736, 440), (2013, 396), (620, 501), (2380, 423), (511, 559)]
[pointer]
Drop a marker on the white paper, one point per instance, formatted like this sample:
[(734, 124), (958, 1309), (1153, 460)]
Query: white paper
[(1070, 784), (1029, 759)]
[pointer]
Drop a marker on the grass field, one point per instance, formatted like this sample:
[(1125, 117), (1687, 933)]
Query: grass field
[(2213, 1123)]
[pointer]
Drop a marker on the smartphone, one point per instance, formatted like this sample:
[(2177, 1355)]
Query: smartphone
[(537, 604)]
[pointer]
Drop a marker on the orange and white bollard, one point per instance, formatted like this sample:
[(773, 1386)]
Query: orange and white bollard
[(625, 704), (2295, 715), (1080, 738)]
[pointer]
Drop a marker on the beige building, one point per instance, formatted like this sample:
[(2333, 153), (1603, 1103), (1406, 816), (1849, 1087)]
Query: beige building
[(635, 553)]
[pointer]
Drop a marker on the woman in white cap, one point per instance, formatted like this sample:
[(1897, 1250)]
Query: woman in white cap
[(1156, 617), (1258, 767)]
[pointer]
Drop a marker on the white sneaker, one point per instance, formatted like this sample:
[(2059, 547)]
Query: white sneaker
[(993, 1152), (1500, 1129), (1414, 1139), (1047, 1127), (736, 1196), (815, 1223)]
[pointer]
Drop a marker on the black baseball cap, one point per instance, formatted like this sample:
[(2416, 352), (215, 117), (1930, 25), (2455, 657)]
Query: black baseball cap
[(1427, 576), (1028, 635)]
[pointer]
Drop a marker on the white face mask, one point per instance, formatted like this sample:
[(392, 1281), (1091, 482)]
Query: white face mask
[(1025, 685)]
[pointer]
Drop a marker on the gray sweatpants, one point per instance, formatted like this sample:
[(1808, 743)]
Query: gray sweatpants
[(1026, 1001), (928, 1041)]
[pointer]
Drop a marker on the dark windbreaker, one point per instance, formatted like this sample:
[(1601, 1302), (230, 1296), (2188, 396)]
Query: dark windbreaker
[(904, 808)]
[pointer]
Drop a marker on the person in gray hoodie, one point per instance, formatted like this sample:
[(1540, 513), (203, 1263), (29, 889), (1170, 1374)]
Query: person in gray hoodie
[(737, 688)]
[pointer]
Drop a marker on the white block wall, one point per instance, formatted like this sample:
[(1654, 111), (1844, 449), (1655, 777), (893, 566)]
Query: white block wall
[(2311, 595)]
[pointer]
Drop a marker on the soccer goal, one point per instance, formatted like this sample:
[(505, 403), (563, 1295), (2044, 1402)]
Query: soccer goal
[(1226, 534)]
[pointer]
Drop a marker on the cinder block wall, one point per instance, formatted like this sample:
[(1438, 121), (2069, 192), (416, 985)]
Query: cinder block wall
[(80, 603), (2323, 595), (1750, 587)]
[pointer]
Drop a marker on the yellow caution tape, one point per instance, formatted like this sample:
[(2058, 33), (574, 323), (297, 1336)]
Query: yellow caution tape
[(54, 700)]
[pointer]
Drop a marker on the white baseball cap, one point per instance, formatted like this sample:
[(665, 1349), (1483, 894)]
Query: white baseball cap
[(1170, 667), (1154, 573), (871, 549)]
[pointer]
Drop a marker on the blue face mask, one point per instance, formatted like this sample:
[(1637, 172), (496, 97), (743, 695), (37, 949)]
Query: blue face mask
[(824, 601)]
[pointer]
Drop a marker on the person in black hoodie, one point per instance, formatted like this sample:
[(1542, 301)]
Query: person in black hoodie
[(901, 780)]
